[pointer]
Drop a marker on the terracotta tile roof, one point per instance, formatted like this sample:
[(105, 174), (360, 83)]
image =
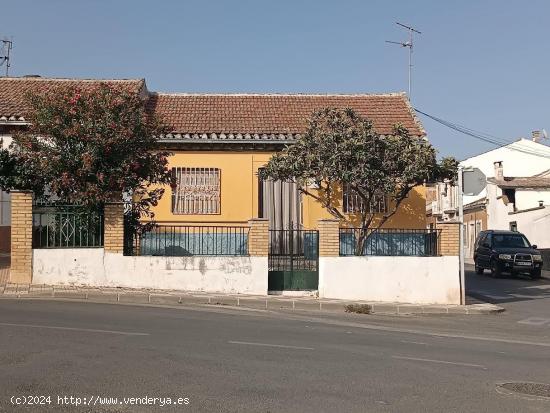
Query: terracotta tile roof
[(274, 114), (228, 117), (522, 182), (475, 204), (14, 89)]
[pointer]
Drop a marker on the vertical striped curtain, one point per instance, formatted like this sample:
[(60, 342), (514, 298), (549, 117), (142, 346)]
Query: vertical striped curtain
[(282, 204)]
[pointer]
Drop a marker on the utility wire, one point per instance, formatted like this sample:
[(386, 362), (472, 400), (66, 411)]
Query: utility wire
[(485, 137)]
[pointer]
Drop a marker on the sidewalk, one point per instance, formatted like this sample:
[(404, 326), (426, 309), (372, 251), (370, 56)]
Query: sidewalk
[(177, 298)]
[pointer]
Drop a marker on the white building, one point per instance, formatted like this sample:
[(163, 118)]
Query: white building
[(521, 168), (520, 204)]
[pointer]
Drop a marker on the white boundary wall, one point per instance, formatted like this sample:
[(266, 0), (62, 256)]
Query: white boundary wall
[(94, 267), (418, 280)]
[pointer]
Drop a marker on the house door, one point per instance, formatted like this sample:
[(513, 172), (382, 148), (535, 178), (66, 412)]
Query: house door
[(293, 260), (293, 251)]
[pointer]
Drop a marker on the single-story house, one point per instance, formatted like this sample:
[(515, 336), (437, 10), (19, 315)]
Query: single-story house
[(219, 141), (221, 228)]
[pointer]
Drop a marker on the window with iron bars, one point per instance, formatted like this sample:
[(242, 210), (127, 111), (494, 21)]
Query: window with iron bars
[(197, 191), (353, 203)]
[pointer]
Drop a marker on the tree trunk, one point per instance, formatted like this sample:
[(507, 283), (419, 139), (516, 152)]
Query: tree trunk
[(360, 245)]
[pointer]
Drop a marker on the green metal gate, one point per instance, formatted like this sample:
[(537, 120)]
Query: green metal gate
[(293, 260)]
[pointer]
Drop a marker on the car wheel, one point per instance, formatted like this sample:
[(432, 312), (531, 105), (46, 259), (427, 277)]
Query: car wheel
[(479, 270), (495, 269), (536, 274)]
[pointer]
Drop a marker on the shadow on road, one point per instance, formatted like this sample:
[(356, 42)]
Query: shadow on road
[(504, 289)]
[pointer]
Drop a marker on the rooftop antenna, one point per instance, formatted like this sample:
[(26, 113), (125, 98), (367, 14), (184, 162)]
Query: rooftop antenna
[(408, 44), (5, 54)]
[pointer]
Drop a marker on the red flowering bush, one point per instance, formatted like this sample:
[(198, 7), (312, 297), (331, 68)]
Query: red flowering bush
[(90, 146)]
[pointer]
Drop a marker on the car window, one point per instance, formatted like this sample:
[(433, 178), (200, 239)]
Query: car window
[(489, 239), (480, 239), (510, 241)]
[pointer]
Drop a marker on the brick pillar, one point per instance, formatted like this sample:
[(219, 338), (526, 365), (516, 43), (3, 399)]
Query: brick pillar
[(329, 237), (448, 238), (258, 237), (114, 227), (21, 237)]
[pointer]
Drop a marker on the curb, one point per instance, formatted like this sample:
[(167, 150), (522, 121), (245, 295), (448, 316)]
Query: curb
[(245, 302)]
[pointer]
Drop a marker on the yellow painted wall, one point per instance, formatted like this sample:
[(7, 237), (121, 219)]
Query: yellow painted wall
[(410, 215), (239, 186), (239, 193)]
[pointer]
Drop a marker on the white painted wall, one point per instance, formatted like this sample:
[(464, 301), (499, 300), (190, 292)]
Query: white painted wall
[(526, 199), (418, 280), (5, 140), (534, 224), (521, 158), (424, 280), (94, 267)]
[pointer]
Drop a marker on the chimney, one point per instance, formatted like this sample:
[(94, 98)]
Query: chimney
[(499, 171), (536, 135)]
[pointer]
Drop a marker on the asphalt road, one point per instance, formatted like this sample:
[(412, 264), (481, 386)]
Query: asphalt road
[(525, 300), (228, 360)]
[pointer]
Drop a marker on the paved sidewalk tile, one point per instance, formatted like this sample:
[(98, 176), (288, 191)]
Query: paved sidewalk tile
[(332, 306), (308, 305), (457, 309), (409, 309), (138, 298), (258, 303), (383, 308), (194, 299), (101, 297), (164, 299), (75, 294), (435, 309)]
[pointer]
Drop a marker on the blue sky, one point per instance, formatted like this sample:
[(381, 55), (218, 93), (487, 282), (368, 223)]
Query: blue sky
[(483, 64)]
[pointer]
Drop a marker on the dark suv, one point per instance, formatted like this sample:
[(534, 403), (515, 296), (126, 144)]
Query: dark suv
[(506, 251)]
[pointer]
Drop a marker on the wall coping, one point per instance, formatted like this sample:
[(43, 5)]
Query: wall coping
[(20, 191)]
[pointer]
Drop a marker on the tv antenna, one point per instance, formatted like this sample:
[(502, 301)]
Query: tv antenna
[(5, 54), (408, 44)]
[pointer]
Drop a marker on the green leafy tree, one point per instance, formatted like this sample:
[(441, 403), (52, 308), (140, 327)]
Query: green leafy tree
[(340, 148), (16, 173), (89, 146)]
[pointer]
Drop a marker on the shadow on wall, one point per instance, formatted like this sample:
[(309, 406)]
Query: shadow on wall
[(5, 240), (545, 258), (410, 215)]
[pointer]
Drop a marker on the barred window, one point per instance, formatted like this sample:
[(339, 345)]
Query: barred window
[(197, 191), (352, 202)]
